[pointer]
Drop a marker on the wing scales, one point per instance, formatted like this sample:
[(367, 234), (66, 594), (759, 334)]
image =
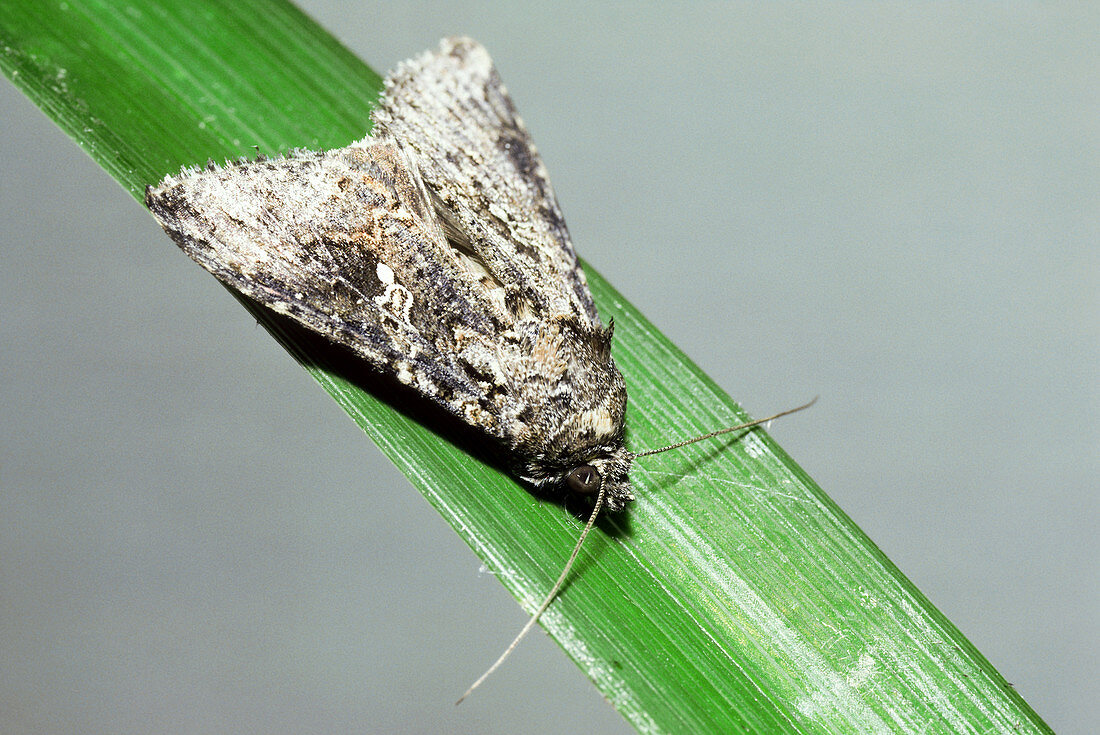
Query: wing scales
[(451, 110), (345, 242)]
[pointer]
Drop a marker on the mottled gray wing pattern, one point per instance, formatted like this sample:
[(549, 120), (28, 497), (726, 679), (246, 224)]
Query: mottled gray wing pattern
[(450, 110), (436, 251), (347, 243)]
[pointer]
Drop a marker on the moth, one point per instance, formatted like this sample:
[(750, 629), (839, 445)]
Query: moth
[(435, 250)]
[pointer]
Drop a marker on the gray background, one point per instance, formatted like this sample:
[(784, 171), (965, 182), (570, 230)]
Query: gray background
[(893, 207)]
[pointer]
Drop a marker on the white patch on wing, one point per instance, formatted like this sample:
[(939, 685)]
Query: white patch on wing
[(385, 274), (397, 301), (598, 421)]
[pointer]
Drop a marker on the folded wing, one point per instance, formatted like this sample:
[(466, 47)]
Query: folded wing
[(450, 110), (347, 243)]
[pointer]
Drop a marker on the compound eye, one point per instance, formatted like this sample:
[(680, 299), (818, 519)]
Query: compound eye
[(584, 480)]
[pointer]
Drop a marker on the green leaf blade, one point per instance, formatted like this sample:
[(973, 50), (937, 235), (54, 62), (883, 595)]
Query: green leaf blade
[(734, 596)]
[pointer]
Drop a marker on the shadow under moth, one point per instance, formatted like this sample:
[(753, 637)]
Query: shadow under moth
[(435, 250)]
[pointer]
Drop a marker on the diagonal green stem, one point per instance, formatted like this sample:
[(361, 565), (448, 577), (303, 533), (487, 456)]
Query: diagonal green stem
[(734, 596)]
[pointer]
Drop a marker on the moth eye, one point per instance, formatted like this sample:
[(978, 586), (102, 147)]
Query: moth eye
[(584, 480)]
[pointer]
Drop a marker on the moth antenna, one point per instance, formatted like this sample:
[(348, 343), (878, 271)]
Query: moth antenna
[(546, 602), (724, 431)]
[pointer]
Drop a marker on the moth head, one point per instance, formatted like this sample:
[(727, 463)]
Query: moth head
[(609, 472), (584, 474)]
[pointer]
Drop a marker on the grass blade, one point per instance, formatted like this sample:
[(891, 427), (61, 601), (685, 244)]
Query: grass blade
[(734, 596)]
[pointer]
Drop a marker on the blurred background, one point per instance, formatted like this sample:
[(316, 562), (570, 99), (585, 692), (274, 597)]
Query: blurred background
[(895, 207)]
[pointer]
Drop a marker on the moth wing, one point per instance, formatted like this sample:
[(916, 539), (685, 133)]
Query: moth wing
[(449, 109), (346, 243)]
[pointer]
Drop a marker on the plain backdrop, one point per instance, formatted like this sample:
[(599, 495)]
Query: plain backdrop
[(895, 207)]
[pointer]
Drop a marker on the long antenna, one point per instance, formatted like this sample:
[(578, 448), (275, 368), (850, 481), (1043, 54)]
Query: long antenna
[(545, 603), (725, 431), (588, 527)]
